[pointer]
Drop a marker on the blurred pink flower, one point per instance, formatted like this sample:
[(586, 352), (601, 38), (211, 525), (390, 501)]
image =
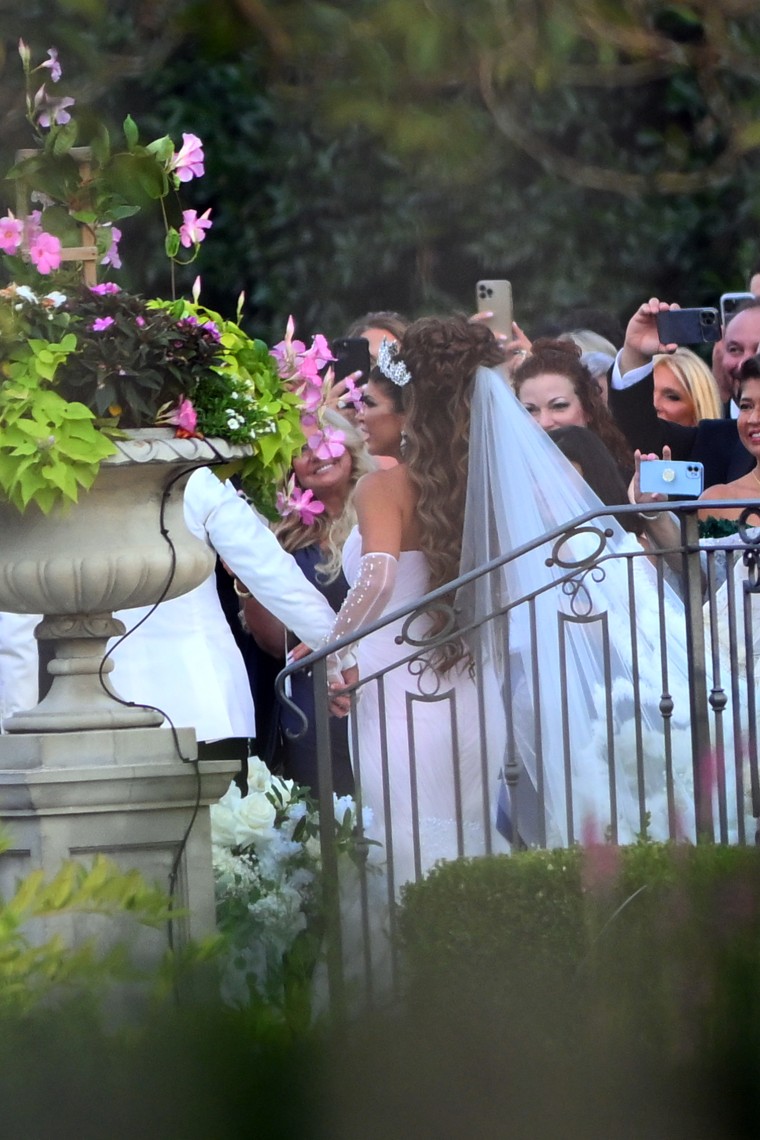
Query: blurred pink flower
[(111, 256), (318, 355), (192, 230), (11, 233), (53, 111), (353, 393), (287, 351), (45, 252), (187, 162), (328, 443), (184, 415), (306, 506), (312, 395), (53, 65), (101, 324), (105, 288)]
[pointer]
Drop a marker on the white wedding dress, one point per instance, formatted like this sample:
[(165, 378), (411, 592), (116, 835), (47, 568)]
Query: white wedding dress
[(417, 752)]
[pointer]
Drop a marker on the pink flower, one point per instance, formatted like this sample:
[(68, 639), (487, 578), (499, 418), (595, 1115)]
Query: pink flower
[(327, 443), (32, 226), (319, 354), (101, 324), (11, 233), (306, 506), (45, 252), (287, 352), (192, 230), (105, 288), (140, 322), (111, 256), (53, 65), (312, 396), (184, 415), (54, 113), (187, 162), (352, 394)]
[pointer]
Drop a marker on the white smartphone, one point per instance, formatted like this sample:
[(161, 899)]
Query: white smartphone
[(679, 477), (729, 303), (496, 297)]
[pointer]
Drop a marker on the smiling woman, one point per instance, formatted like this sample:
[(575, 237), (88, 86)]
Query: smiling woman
[(559, 391), (685, 390), (748, 426)]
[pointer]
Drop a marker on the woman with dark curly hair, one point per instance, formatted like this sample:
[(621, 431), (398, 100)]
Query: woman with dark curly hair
[(559, 391)]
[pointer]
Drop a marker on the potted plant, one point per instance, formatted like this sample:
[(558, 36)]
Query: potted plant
[(107, 399)]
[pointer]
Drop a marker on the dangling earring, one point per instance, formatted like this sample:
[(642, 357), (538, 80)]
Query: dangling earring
[(403, 443)]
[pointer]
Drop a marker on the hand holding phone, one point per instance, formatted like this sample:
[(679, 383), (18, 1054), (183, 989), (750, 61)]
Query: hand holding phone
[(688, 326), (351, 355), (675, 477), (496, 297)]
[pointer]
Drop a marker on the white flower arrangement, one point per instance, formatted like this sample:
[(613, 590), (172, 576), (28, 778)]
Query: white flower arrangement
[(267, 867)]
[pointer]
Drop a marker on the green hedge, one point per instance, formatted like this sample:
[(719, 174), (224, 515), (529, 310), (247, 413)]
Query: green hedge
[(610, 978)]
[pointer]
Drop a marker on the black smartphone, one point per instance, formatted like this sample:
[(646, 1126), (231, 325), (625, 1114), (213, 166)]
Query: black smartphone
[(351, 355), (689, 326)]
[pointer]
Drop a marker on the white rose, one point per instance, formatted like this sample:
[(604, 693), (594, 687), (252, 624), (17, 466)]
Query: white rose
[(224, 817), (255, 816), (259, 776)]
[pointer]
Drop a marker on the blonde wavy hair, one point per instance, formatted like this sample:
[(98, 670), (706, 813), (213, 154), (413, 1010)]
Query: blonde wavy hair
[(696, 378), (442, 355), (330, 533)]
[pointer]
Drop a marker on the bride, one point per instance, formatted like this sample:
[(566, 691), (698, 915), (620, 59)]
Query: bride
[(581, 690), (417, 747)]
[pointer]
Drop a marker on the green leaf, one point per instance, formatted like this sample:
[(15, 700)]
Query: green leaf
[(131, 133), (172, 243), (65, 137)]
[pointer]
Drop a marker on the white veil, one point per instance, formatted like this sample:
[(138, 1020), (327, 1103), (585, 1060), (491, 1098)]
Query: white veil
[(590, 679)]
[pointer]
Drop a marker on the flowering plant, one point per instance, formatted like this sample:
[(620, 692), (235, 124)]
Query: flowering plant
[(267, 866), (307, 372), (83, 362)]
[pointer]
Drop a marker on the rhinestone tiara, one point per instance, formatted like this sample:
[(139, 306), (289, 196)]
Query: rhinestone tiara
[(395, 370)]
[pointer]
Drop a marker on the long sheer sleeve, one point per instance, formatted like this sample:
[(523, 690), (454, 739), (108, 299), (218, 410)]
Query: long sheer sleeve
[(366, 599)]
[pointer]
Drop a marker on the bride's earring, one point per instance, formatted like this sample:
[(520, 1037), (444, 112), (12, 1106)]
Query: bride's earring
[(404, 441)]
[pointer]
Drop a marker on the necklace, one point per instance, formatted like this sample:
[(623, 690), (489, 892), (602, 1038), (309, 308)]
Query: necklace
[(755, 475)]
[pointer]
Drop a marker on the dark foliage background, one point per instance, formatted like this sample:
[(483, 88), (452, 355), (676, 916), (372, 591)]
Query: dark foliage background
[(357, 158)]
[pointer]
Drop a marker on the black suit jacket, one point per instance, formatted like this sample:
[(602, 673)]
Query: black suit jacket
[(713, 443)]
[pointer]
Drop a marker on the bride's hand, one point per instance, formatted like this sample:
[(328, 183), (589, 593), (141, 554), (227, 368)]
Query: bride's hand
[(340, 700)]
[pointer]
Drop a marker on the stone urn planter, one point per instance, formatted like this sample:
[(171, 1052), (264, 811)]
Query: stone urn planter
[(123, 544)]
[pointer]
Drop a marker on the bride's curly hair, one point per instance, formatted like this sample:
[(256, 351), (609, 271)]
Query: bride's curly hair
[(442, 354)]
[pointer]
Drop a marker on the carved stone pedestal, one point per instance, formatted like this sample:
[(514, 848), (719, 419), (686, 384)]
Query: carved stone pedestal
[(125, 794)]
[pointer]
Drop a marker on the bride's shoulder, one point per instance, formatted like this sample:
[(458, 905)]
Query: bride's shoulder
[(383, 481)]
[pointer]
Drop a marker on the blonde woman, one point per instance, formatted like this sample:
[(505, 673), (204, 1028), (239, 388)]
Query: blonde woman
[(314, 535), (685, 390)]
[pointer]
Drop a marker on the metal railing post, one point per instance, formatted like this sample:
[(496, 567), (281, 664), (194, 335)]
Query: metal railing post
[(695, 648)]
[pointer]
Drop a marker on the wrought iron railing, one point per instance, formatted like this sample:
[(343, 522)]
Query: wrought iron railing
[(704, 736)]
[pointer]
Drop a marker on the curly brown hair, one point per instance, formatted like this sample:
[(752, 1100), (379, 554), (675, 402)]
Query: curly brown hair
[(564, 358), (442, 355)]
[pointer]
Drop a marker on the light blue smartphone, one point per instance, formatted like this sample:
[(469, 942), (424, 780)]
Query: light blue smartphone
[(680, 477)]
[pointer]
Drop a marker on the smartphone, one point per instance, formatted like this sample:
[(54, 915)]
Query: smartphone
[(496, 297), (351, 355), (730, 302), (689, 326), (680, 477)]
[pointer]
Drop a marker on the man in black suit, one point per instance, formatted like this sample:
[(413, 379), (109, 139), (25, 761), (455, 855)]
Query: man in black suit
[(714, 443)]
